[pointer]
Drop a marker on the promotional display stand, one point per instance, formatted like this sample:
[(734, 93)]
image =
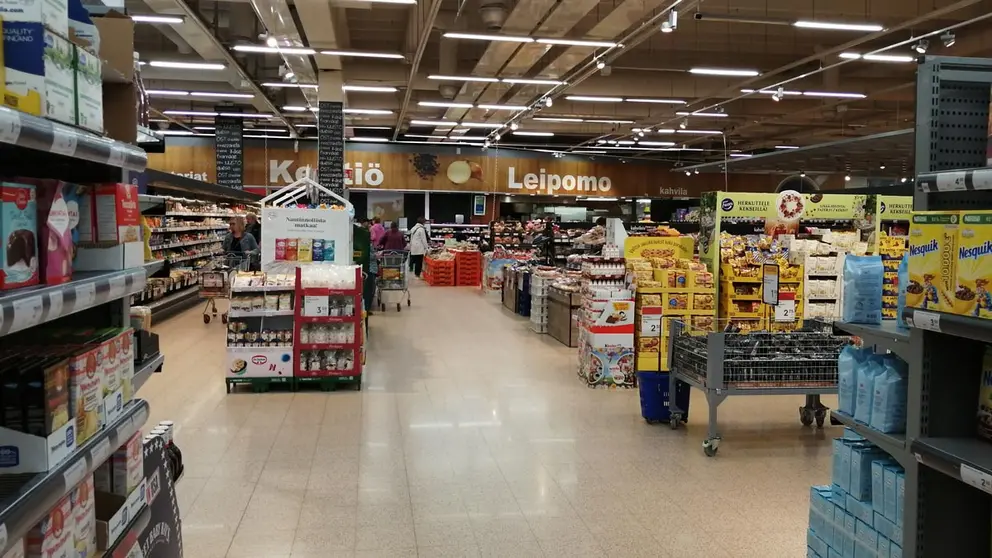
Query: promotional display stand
[(321, 362)]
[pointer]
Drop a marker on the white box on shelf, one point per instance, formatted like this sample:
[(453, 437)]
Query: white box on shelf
[(259, 362), (23, 453), (114, 513), (89, 90), (128, 255), (39, 72), (54, 14)]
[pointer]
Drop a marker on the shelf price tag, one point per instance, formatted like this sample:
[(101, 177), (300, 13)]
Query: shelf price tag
[(117, 285), (64, 142), (785, 310), (85, 296), (54, 304), (117, 155), (979, 479), (75, 473), (316, 306), (101, 452), (926, 320), (10, 126), (650, 325), (27, 312)]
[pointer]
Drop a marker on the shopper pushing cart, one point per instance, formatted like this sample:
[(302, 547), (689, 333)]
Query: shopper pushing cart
[(393, 276), (216, 277)]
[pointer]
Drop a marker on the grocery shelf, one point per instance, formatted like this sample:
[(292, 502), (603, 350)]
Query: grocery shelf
[(157, 230), (195, 214), (950, 455), (32, 132), (887, 336), (955, 180), (186, 243), (173, 298), (144, 371), (31, 306), (258, 313), (967, 327), (199, 256), (25, 499), (328, 319), (264, 289), (327, 346), (893, 444), (138, 524), (153, 266)]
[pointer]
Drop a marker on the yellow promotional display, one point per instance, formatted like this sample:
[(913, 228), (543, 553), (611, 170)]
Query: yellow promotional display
[(933, 237), (973, 291)]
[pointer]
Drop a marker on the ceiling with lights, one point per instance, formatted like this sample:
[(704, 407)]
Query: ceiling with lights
[(689, 82)]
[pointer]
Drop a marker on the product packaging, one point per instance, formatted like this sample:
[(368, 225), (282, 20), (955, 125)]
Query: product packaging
[(903, 283), (866, 388), (933, 240), (850, 360), (985, 397), (89, 89), (889, 476), (127, 466), (973, 288), (18, 229), (54, 535), (55, 226), (16, 551), (38, 65), (84, 515), (82, 30), (115, 213), (888, 412), (85, 393), (862, 303)]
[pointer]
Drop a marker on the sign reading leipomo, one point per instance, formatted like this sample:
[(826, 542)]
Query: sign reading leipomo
[(552, 183)]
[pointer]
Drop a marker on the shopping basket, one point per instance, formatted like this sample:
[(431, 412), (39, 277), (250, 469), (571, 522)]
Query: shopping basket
[(655, 399)]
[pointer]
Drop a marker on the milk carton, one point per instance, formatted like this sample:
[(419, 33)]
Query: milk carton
[(39, 72), (89, 90), (53, 14)]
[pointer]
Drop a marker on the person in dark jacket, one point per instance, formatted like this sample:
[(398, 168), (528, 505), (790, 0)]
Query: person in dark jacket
[(393, 238), (254, 227)]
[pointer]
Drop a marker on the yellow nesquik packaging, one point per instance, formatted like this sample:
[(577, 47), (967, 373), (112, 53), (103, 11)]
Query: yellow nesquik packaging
[(973, 292), (932, 260)]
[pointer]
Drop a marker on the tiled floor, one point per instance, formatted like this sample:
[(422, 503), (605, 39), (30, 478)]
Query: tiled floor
[(473, 437)]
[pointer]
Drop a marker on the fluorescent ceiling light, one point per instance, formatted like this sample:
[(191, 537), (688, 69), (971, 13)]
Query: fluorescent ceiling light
[(438, 123), (502, 107), (186, 65), (306, 125), (657, 143), (370, 88), (834, 94), (246, 114), (445, 104), (287, 84), (530, 81), (699, 132), (368, 139), (463, 78), (869, 27), (366, 111), (771, 91), (878, 57), (741, 155), (363, 54), (274, 50), (203, 128), (448, 138), (221, 95), (538, 134), (665, 130), (389, 1), (591, 121), (166, 93), (485, 37), (189, 113), (660, 101), (262, 136), (175, 132), (724, 72), (554, 119), (266, 130), (574, 42), (705, 114), (157, 19), (293, 108), (590, 152), (492, 125), (625, 142), (592, 99), (373, 127), (597, 198), (786, 147)]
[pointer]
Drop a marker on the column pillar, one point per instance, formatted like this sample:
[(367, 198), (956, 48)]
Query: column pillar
[(330, 133)]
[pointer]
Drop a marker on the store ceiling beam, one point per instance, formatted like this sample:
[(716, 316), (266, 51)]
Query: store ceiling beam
[(422, 19), (277, 19)]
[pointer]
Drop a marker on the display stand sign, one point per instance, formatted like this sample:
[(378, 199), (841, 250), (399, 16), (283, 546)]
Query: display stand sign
[(785, 310), (769, 284), (302, 236), (229, 148), (330, 149)]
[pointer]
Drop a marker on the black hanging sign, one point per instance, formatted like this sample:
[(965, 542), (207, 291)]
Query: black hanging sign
[(330, 148), (229, 146)]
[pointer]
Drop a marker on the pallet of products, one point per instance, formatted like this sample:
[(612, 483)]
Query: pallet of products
[(260, 330), (892, 249), (439, 269), (468, 268), (606, 324), (540, 286), (328, 327)]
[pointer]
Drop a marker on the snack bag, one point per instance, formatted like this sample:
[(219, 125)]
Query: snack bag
[(850, 360), (862, 302), (866, 388), (888, 411)]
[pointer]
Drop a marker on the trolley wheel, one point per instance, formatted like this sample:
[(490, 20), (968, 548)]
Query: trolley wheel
[(711, 446), (805, 416), (399, 308), (223, 318), (206, 318), (650, 421), (820, 416), (408, 301), (382, 306), (674, 422)]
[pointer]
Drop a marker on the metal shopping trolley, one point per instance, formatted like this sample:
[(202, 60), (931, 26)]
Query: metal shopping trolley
[(392, 276), (721, 361), (216, 278)]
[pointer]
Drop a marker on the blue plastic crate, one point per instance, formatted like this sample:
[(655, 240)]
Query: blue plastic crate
[(653, 388)]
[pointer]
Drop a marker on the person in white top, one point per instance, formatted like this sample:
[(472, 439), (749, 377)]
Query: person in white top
[(419, 244)]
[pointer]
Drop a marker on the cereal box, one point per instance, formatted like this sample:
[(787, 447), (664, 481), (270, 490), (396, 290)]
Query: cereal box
[(933, 239), (84, 515), (973, 292), (127, 467), (53, 536), (85, 393)]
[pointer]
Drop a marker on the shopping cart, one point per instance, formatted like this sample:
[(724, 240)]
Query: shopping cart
[(392, 276), (216, 278)]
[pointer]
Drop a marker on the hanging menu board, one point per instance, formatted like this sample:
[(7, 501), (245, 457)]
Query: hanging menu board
[(229, 148), (330, 147)]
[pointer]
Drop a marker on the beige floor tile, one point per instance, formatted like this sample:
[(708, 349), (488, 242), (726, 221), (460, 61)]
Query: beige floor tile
[(472, 437)]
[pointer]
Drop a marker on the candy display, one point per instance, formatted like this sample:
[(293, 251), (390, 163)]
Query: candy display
[(244, 334), (741, 261)]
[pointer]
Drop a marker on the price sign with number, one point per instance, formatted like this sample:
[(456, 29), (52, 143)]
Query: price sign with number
[(65, 141), (650, 325), (85, 296), (316, 306), (926, 320), (27, 312), (979, 479), (785, 310)]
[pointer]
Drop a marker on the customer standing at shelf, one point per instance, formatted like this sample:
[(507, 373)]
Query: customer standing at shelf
[(254, 227), (239, 243), (392, 239), (420, 242), (596, 237), (377, 231)]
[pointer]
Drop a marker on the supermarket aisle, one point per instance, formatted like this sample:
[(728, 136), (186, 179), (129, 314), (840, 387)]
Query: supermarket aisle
[(472, 437)]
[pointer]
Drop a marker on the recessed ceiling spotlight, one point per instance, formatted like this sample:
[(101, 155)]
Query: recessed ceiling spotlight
[(684, 124), (496, 137), (802, 174), (272, 42), (514, 126), (548, 102), (881, 167), (948, 39), (847, 178), (903, 180), (922, 46), (696, 171), (600, 64), (687, 173), (640, 134)]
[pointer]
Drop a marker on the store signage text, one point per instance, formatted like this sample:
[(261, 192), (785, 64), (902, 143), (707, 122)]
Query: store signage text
[(194, 175), (675, 192), (359, 174), (554, 182)]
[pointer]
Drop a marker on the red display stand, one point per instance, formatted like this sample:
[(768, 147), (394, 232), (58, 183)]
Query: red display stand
[(468, 268), (328, 378), (439, 273)]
